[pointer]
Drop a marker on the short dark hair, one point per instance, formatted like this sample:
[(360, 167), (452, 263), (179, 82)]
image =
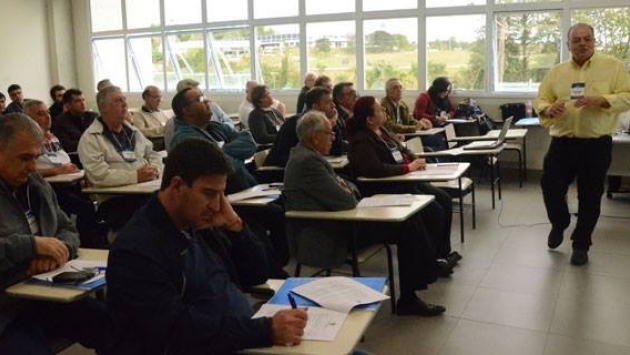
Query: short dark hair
[(192, 159), (363, 108), (67, 96), (54, 90), (338, 90), (257, 93), (179, 102), (13, 87), (321, 80), (314, 95), (440, 84), (12, 124), (2, 96)]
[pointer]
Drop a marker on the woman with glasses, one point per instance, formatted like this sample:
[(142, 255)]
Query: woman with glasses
[(375, 152), (435, 104)]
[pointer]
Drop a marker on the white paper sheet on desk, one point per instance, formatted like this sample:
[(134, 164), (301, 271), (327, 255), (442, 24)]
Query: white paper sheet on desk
[(74, 265), (439, 169), (322, 325), (332, 159), (240, 196), (389, 200), (339, 293)]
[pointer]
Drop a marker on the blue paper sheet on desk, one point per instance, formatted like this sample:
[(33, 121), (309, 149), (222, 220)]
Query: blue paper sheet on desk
[(282, 295)]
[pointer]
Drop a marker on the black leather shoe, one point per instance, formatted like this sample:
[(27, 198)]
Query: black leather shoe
[(445, 269), (418, 307), (555, 238), (454, 257), (579, 257)]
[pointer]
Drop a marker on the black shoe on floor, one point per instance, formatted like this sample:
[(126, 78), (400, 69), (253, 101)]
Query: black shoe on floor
[(445, 269), (579, 257), (454, 257), (555, 238), (418, 307)]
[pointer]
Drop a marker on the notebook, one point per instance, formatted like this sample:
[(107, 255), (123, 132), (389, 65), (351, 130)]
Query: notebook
[(483, 145)]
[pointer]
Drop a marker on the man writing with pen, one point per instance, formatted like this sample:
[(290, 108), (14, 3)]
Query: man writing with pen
[(176, 270)]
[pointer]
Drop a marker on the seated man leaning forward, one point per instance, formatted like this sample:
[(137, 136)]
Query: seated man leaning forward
[(310, 184), (114, 153), (176, 269), (35, 237)]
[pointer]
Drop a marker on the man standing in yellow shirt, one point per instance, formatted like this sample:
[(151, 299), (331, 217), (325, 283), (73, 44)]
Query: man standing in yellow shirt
[(579, 102)]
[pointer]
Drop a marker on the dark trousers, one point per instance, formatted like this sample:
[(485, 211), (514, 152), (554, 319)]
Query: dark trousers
[(118, 210), (568, 159), (72, 201)]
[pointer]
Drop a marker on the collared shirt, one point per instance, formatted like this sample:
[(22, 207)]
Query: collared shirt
[(151, 124), (603, 76)]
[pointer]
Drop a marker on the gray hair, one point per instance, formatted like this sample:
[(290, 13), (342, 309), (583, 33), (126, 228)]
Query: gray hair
[(13, 124), (389, 83), (30, 105), (311, 122), (103, 95), (578, 25)]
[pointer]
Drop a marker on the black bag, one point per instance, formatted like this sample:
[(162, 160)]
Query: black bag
[(486, 124), (517, 110)]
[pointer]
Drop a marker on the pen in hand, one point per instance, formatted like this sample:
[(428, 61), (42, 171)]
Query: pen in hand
[(292, 301)]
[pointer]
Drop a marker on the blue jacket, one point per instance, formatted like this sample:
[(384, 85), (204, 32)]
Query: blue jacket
[(176, 293)]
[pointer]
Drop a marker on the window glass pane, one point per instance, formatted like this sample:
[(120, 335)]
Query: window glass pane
[(216, 10), (391, 50), (528, 45), (278, 50), (275, 8), (185, 59), (455, 53), (180, 12), (143, 13), (332, 50), (315, 7), (229, 59), (451, 3), (106, 15), (145, 63), (612, 30), (109, 61), (378, 5)]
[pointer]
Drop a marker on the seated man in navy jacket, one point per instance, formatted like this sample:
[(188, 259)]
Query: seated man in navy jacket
[(176, 269)]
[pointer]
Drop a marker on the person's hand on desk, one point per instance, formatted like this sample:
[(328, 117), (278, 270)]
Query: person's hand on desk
[(66, 169), (424, 125), (417, 164), (147, 173), (41, 264), (287, 326), (400, 137), (53, 248)]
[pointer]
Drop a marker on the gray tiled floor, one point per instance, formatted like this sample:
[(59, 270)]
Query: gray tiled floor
[(511, 295)]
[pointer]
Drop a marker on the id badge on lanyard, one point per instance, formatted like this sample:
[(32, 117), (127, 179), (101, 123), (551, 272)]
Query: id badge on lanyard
[(129, 156), (577, 90), (397, 155), (54, 158), (32, 222)]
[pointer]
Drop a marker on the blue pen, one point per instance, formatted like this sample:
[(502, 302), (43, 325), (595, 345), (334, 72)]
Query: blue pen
[(292, 301)]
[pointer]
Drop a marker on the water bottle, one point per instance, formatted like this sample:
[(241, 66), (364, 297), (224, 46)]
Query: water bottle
[(528, 109)]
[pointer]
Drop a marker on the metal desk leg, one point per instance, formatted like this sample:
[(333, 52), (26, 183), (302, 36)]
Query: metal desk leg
[(461, 209)]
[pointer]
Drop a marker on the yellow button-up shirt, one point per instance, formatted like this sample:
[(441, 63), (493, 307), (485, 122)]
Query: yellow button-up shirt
[(604, 76)]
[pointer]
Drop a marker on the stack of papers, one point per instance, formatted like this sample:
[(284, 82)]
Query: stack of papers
[(388, 200), (328, 301), (437, 169), (246, 195)]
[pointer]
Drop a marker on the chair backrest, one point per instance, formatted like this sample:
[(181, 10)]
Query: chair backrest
[(259, 157), (415, 145), (450, 135)]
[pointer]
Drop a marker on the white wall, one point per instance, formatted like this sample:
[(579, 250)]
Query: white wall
[(25, 58)]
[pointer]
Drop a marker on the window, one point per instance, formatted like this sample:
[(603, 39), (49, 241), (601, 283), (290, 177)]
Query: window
[(455, 53), (229, 59), (527, 46), (391, 50), (185, 58), (146, 63), (612, 30), (332, 49), (488, 46), (278, 53), (106, 15), (109, 61), (216, 10), (142, 13)]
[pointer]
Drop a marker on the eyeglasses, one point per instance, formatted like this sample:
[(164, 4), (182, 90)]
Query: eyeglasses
[(330, 133)]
